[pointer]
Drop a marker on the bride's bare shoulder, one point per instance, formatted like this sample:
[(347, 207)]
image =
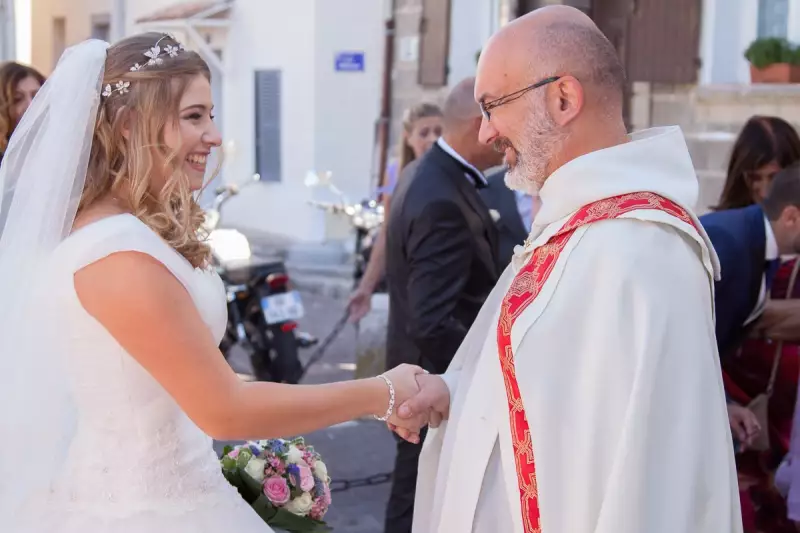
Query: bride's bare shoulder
[(128, 281)]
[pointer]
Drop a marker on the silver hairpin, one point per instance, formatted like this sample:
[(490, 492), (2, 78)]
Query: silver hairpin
[(153, 58)]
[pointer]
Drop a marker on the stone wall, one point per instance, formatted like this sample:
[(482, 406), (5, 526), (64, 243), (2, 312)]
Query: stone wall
[(711, 117)]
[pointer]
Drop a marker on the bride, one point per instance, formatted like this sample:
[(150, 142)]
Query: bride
[(111, 383)]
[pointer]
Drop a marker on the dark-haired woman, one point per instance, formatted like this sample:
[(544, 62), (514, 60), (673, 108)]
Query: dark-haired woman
[(765, 146)]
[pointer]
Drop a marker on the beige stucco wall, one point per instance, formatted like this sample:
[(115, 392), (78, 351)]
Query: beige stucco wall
[(78, 25)]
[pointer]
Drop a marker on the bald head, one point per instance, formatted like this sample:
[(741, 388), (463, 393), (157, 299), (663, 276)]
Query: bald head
[(460, 106), (559, 40), (462, 122), (552, 87)]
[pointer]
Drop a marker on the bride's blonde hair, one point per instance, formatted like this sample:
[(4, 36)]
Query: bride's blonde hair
[(128, 148)]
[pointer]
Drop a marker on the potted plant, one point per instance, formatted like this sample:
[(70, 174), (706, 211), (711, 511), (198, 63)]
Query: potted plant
[(773, 60)]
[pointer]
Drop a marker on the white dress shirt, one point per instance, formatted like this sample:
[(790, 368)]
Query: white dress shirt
[(527, 206), (455, 155), (770, 255)]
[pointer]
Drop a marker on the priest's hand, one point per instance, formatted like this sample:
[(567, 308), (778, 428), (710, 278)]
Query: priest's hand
[(744, 424), (406, 386), (432, 404)]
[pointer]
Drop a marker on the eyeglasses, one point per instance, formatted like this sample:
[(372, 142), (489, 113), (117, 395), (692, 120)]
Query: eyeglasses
[(486, 107)]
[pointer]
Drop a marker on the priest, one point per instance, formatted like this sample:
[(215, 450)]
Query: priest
[(587, 397)]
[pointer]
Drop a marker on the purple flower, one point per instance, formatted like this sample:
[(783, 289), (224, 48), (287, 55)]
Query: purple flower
[(294, 474)]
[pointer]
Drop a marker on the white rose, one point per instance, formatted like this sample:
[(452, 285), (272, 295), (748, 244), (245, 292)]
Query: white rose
[(301, 505), (321, 469), (255, 469), (295, 455)]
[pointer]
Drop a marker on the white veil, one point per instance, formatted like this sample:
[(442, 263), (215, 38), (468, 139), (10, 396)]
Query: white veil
[(41, 177)]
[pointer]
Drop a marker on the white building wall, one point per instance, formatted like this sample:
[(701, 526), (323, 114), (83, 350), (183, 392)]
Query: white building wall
[(347, 104), (471, 25), (327, 117), (272, 35)]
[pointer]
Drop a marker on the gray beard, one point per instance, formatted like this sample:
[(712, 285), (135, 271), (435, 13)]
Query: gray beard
[(541, 140)]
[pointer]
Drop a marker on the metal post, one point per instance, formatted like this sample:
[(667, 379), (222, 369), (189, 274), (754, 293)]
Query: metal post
[(7, 34), (118, 20)]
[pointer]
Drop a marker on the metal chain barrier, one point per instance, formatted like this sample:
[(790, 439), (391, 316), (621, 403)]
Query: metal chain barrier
[(341, 485)]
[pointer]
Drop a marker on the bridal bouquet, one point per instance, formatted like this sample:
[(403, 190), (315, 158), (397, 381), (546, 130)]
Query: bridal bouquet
[(284, 481)]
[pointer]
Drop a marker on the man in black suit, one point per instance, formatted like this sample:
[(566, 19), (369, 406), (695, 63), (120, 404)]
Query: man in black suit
[(441, 264), (749, 242), (513, 212)]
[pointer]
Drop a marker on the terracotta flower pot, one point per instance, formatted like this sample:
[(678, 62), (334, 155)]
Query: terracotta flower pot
[(775, 73)]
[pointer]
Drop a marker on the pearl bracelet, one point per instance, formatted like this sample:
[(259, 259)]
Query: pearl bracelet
[(390, 410)]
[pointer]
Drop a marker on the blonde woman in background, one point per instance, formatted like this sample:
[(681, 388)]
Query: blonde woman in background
[(422, 126)]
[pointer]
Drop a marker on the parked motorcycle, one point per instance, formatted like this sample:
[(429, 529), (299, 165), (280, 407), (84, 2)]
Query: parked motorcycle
[(365, 217), (262, 307)]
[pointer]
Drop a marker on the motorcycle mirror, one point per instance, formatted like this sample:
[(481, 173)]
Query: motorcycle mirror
[(312, 180)]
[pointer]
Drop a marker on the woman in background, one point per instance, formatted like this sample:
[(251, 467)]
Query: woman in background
[(18, 85), (765, 146), (422, 126)]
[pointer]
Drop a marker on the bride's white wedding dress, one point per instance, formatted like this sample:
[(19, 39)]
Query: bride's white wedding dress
[(136, 462)]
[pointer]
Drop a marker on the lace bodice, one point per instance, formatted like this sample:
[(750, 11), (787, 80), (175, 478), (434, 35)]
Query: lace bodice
[(135, 453)]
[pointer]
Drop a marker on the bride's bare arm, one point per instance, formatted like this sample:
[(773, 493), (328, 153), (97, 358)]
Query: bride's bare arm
[(147, 310)]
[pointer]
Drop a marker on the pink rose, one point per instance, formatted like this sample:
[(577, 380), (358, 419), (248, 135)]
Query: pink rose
[(234, 453), (326, 495), (306, 478), (277, 490)]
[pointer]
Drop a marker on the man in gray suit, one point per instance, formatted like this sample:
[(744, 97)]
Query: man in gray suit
[(516, 211)]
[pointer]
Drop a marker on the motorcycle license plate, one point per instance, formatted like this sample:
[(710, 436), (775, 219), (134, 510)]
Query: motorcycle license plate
[(282, 307)]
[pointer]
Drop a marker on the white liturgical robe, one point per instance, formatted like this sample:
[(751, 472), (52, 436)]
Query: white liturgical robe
[(613, 359)]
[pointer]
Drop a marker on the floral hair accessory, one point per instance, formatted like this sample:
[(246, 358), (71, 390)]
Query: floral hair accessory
[(154, 57)]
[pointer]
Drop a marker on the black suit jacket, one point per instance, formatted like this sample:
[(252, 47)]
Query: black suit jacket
[(510, 228), (740, 240), (440, 262)]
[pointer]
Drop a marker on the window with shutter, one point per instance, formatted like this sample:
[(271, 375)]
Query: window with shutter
[(268, 124), (434, 43)]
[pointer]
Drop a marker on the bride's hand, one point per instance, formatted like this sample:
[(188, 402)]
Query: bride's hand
[(404, 379)]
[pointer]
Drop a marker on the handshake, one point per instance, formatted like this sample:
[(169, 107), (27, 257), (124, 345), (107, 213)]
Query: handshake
[(421, 399)]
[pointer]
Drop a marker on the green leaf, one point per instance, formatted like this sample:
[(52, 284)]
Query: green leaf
[(264, 508), (283, 519), (253, 486), (227, 449)]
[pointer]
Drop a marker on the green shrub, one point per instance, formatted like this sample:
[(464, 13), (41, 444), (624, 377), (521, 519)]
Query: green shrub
[(768, 51)]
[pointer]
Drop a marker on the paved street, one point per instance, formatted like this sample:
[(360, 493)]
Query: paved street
[(352, 450)]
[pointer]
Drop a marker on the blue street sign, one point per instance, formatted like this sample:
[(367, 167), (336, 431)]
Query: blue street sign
[(350, 62)]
